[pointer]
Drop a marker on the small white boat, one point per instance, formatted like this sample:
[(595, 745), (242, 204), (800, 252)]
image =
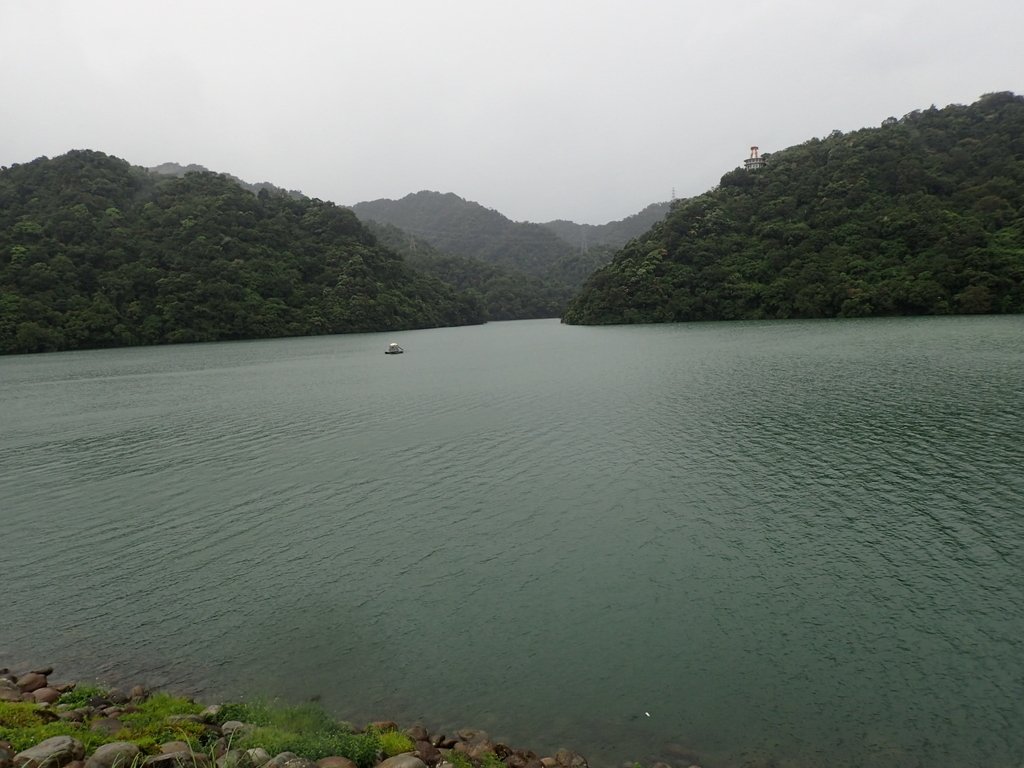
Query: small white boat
[(393, 349)]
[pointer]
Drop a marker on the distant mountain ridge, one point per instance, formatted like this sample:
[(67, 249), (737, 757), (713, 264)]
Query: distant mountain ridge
[(560, 252), (464, 228), (614, 234)]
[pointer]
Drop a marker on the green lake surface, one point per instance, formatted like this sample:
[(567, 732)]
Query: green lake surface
[(790, 541)]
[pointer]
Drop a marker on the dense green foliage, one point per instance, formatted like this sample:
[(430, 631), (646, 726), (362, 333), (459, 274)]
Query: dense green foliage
[(97, 253), (504, 293), (924, 215)]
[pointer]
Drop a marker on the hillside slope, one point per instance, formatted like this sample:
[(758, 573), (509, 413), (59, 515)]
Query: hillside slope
[(464, 228), (614, 234), (924, 215), (97, 253)]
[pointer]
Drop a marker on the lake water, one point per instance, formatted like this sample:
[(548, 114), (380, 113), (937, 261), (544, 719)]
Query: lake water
[(798, 541)]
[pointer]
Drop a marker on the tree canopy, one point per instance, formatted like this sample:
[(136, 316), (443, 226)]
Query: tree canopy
[(923, 215), (97, 253)]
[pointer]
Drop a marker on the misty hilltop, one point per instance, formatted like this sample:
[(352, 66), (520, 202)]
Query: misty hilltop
[(178, 170)]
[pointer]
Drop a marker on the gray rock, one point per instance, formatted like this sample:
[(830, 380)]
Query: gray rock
[(211, 713), (12, 693), (183, 759), (259, 756), (119, 754), (55, 752), (568, 759), (428, 753), (31, 681), (402, 761), (46, 695), (170, 747), (234, 758), (299, 762), (335, 761), (278, 760), (235, 728), (417, 733), (44, 671)]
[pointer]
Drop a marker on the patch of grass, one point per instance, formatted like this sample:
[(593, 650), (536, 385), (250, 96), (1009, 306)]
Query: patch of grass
[(302, 718), (491, 760), (148, 726), (395, 743), (79, 696), (16, 714), (305, 729), (360, 748), (157, 708), (21, 725), (458, 759)]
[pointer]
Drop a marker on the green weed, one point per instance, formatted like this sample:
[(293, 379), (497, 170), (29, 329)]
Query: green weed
[(21, 725), (491, 760), (79, 696), (395, 743), (305, 729)]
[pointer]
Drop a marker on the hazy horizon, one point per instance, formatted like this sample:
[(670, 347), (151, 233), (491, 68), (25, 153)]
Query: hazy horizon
[(561, 110)]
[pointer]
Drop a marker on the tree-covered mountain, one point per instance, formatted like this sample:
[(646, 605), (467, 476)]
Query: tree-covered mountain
[(95, 253), (614, 234), (463, 228), (924, 215), (505, 294)]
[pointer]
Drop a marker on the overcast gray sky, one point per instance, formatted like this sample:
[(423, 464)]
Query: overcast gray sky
[(541, 109)]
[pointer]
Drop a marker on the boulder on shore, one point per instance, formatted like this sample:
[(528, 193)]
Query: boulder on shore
[(55, 752), (119, 754)]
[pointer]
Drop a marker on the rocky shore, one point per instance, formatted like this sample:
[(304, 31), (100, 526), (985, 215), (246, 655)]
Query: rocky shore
[(213, 741)]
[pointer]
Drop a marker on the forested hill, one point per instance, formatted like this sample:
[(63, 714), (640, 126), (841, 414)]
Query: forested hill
[(924, 215), (97, 253), (614, 234), (504, 293), (463, 228)]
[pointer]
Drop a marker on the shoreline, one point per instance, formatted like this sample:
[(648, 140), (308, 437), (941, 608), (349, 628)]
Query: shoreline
[(95, 724)]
